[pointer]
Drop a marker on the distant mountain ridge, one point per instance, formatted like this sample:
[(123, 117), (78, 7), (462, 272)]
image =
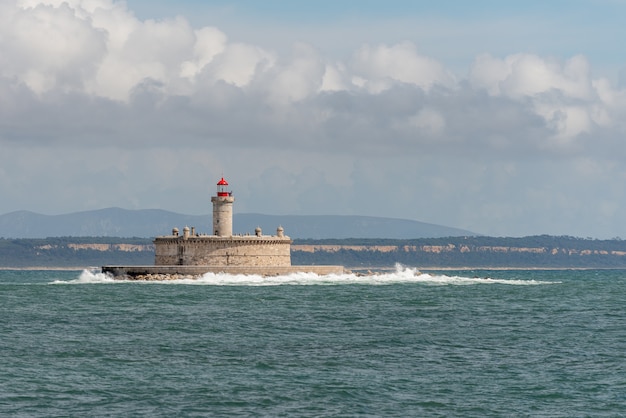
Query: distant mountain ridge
[(117, 222)]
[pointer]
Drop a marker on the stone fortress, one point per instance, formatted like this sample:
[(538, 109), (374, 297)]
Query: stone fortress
[(223, 248), (194, 254)]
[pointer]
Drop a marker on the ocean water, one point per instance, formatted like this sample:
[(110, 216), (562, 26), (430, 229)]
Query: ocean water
[(472, 343)]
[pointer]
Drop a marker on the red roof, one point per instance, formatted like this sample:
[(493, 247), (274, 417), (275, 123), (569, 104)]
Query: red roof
[(222, 182)]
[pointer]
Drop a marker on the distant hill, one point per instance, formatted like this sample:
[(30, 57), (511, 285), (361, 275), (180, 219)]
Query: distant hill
[(335, 226), (116, 222)]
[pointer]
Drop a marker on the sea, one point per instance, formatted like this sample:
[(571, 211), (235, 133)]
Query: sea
[(401, 343)]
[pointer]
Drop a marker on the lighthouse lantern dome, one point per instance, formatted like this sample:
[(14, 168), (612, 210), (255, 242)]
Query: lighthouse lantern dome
[(222, 186)]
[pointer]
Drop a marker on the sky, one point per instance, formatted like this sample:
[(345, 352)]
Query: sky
[(502, 118)]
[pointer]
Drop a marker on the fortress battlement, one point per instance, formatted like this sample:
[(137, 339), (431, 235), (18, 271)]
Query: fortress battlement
[(232, 239)]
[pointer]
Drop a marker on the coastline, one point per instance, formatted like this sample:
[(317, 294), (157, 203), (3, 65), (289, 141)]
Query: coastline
[(355, 269), (466, 268), (53, 268)]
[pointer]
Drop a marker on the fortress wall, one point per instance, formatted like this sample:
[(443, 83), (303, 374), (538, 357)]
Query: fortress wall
[(166, 252), (232, 251)]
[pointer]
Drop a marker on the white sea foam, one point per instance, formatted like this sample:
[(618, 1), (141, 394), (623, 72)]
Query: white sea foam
[(401, 274), (88, 277)]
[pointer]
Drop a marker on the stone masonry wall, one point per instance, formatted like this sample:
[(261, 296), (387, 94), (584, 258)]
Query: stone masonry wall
[(221, 251)]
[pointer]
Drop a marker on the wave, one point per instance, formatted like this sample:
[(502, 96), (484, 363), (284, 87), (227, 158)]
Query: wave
[(401, 275), (88, 277)]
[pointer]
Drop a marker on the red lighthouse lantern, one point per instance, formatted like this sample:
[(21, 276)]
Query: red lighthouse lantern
[(221, 188)]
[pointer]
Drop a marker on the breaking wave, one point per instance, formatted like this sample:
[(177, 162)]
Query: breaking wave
[(88, 277), (401, 274)]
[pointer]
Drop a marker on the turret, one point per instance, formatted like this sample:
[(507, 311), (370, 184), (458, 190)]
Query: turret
[(223, 210)]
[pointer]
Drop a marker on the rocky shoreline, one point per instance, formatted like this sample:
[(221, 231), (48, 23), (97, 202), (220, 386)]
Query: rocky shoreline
[(157, 277)]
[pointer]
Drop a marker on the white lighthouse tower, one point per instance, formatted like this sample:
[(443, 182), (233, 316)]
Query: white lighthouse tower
[(223, 210)]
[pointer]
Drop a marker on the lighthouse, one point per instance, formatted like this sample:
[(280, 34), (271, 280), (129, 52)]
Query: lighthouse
[(223, 210), (193, 255)]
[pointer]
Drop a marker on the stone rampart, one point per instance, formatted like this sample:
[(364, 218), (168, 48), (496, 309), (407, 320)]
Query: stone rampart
[(242, 251)]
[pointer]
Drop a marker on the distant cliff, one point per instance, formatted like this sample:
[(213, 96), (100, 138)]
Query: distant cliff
[(75, 252), (528, 252)]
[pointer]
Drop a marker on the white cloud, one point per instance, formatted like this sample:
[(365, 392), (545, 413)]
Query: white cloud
[(209, 43), (47, 47), (100, 48), (523, 75), (110, 108), (381, 64), (334, 78), (428, 120), (239, 63), (299, 78), (564, 94)]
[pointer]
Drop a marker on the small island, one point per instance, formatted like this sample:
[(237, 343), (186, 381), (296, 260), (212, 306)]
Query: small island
[(193, 254)]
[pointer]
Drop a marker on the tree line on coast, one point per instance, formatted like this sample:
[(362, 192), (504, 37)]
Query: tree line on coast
[(74, 251), (541, 251)]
